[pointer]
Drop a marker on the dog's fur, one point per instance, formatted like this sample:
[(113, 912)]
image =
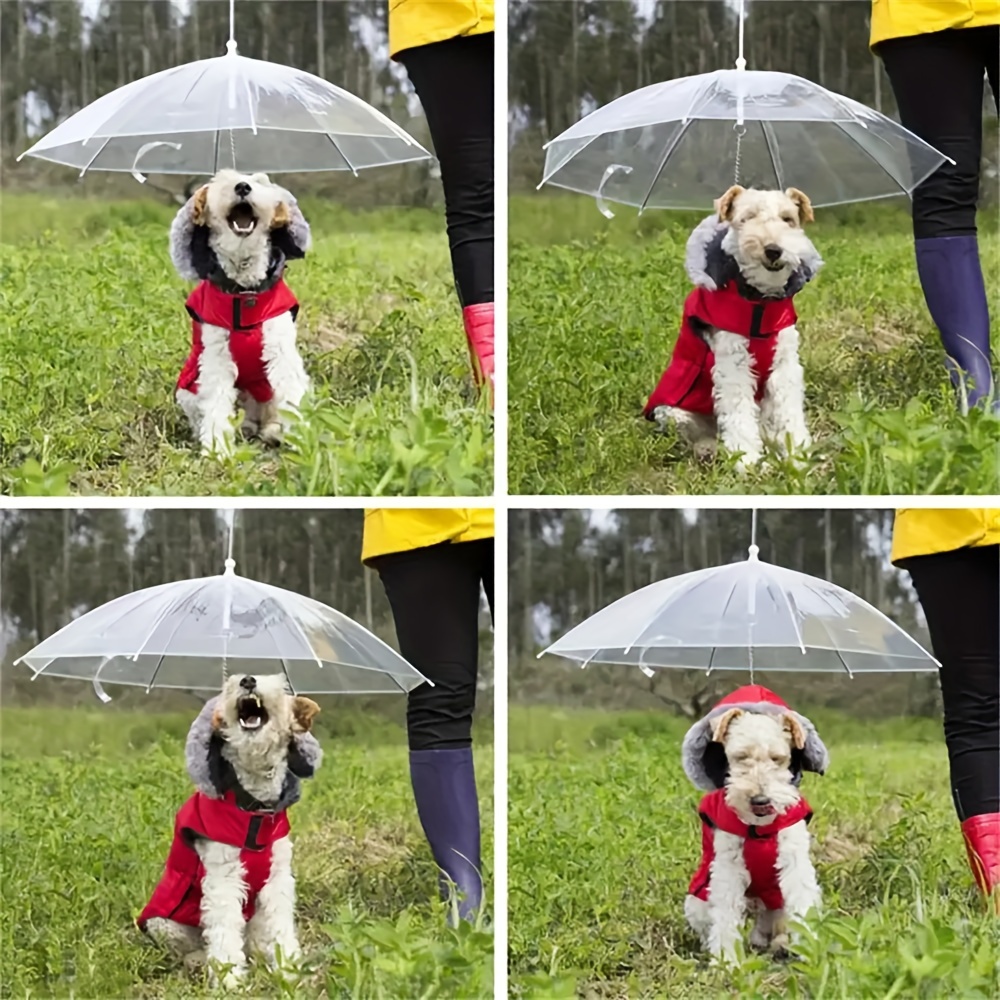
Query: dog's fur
[(255, 762), (760, 786), (763, 236), (233, 239)]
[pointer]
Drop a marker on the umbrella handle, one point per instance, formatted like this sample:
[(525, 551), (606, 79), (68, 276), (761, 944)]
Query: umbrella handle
[(143, 150), (602, 205)]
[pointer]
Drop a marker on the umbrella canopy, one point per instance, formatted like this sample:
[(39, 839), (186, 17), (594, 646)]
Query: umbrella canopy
[(229, 111), (749, 615), (189, 634), (682, 143)]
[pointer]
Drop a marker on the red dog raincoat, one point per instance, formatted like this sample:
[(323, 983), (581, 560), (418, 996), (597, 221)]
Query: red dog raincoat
[(760, 847), (178, 895), (243, 315), (687, 382)]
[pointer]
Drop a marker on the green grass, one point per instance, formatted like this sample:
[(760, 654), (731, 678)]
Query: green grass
[(88, 805), (603, 840), (594, 312), (95, 333)]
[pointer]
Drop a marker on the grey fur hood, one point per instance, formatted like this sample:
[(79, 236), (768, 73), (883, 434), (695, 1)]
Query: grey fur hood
[(194, 259), (212, 773), (705, 762), (709, 266)]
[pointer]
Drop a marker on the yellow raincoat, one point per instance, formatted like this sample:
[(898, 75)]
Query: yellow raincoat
[(421, 22), (925, 531), (899, 18), (395, 529)]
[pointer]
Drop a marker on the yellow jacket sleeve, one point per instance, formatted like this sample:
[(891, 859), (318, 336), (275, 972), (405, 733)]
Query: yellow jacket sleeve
[(901, 18), (920, 531), (421, 22), (396, 529)]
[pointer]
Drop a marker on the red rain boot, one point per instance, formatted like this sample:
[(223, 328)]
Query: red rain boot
[(478, 321), (982, 843)]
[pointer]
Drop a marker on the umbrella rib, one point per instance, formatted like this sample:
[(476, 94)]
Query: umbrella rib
[(336, 146), (791, 615), (767, 130), (284, 667), (159, 663), (90, 162), (334, 142), (666, 156)]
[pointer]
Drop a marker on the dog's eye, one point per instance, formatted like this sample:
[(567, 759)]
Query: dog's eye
[(790, 219)]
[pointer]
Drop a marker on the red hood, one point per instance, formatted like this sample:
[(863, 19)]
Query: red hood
[(752, 693)]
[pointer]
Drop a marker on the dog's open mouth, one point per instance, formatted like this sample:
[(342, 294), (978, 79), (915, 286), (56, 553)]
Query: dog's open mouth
[(765, 810), (242, 219), (250, 712)]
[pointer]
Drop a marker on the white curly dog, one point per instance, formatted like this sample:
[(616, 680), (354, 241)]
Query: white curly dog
[(228, 887), (755, 839), (235, 235), (735, 374)]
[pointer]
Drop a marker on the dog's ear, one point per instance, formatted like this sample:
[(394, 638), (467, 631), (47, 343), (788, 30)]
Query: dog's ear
[(281, 216), (803, 203), (796, 734), (723, 724), (303, 711), (724, 205), (199, 206)]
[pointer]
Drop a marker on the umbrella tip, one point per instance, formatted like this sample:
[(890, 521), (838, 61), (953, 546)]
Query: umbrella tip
[(231, 47), (753, 551), (230, 565)]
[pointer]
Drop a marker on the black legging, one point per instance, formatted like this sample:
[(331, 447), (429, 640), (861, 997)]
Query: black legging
[(960, 594), (434, 595), (938, 82), (454, 81)]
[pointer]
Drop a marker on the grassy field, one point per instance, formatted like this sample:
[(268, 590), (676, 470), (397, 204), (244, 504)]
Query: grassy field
[(95, 333), (594, 312), (88, 803), (603, 840)]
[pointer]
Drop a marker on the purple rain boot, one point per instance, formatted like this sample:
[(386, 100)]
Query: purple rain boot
[(952, 280), (444, 786)]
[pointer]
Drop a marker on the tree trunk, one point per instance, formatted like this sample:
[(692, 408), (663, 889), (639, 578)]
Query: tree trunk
[(527, 585)]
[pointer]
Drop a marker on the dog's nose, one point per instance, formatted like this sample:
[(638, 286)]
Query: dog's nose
[(772, 251), (760, 800), (248, 683), (242, 189)]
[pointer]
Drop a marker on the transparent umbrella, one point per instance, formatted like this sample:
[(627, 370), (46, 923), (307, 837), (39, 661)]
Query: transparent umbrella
[(191, 633), (749, 615), (682, 143), (230, 111)]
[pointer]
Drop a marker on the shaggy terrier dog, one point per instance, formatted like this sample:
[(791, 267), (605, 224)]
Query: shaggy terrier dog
[(236, 234), (735, 374), (755, 841), (228, 887)]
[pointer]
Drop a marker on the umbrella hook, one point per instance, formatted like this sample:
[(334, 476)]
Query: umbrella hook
[(602, 205)]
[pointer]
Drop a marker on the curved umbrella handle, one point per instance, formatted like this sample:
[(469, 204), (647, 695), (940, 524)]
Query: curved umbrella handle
[(602, 205), (143, 150)]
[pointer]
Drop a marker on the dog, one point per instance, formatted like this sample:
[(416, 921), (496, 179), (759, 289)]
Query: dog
[(228, 887), (235, 235), (755, 840), (735, 374)]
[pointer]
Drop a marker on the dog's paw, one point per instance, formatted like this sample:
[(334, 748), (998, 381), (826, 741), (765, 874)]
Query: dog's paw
[(272, 434), (705, 450), (231, 979), (249, 429)]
